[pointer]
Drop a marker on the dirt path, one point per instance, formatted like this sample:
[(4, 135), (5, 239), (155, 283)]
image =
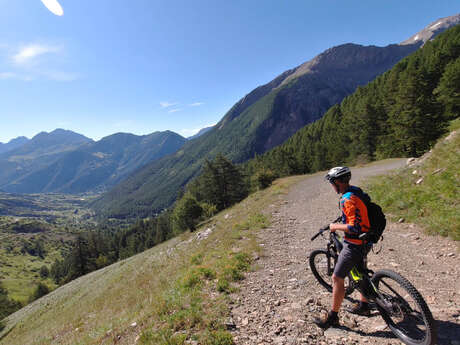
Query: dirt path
[(278, 301)]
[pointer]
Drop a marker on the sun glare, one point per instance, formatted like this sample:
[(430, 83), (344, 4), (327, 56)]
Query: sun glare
[(53, 6)]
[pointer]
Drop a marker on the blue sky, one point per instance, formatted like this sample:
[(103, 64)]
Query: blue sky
[(139, 66)]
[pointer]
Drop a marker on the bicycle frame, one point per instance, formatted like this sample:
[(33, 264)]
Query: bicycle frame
[(361, 277)]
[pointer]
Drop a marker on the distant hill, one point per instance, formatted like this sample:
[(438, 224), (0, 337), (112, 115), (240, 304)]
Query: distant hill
[(84, 166), (261, 120), (37, 153), (13, 144)]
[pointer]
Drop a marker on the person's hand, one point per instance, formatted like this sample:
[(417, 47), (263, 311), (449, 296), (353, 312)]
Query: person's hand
[(332, 227)]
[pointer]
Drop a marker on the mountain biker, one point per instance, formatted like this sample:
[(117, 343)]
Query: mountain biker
[(354, 222)]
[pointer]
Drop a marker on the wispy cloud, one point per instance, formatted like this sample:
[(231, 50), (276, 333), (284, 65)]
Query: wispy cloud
[(8, 75), (196, 104), (29, 53), (35, 61), (167, 104), (175, 110)]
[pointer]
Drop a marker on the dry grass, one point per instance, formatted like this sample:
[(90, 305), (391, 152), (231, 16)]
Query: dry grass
[(173, 292)]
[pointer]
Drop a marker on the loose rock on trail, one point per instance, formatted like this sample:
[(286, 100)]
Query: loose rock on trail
[(277, 302)]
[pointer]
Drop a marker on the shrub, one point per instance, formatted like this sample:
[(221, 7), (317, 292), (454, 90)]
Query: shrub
[(40, 291), (223, 285), (44, 272), (186, 214), (196, 259), (262, 179)]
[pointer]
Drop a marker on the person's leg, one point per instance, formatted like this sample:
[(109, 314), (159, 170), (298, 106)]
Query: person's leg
[(342, 268), (338, 292)]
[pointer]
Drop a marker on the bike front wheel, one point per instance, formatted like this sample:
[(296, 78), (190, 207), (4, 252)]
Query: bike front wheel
[(404, 309), (322, 265)]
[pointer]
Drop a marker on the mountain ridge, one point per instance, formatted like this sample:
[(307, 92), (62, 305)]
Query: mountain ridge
[(261, 120), (88, 166), (13, 144)]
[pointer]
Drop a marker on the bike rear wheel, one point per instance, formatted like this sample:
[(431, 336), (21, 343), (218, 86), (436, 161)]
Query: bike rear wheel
[(322, 265), (404, 309)]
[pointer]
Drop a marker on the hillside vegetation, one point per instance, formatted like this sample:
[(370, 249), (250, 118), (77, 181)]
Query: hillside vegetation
[(174, 292), (427, 191)]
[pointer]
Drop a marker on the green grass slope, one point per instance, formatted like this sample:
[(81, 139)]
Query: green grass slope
[(427, 191), (165, 295)]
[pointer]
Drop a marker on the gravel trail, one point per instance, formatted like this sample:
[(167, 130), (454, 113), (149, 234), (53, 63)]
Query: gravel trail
[(277, 302)]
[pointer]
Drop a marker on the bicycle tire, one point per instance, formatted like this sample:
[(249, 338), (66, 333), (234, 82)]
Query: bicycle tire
[(319, 273), (401, 308)]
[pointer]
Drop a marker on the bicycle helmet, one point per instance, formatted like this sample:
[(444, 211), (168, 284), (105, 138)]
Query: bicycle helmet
[(343, 173)]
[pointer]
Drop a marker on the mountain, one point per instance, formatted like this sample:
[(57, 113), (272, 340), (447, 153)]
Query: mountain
[(433, 29), (37, 153), (93, 165), (13, 144), (200, 132), (401, 113), (261, 120)]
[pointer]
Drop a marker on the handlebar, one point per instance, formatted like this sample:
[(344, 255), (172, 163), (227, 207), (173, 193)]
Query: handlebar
[(325, 228), (320, 232)]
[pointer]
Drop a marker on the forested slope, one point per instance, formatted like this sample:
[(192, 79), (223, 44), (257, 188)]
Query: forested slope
[(400, 114)]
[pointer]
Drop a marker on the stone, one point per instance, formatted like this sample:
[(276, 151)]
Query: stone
[(296, 305), (419, 181), (230, 324), (401, 220), (380, 327), (410, 160), (245, 321), (134, 324), (333, 332)]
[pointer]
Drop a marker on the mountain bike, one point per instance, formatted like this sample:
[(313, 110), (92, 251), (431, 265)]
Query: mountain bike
[(399, 303)]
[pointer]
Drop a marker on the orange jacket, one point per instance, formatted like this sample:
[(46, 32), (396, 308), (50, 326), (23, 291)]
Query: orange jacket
[(354, 213)]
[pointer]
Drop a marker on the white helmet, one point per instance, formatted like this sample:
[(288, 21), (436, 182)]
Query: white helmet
[(338, 172)]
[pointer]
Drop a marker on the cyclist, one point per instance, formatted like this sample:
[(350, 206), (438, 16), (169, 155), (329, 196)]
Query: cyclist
[(354, 222)]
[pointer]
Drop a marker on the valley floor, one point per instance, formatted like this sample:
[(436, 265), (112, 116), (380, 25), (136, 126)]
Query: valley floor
[(277, 302)]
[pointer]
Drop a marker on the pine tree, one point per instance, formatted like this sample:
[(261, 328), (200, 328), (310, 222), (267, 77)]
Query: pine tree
[(448, 90)]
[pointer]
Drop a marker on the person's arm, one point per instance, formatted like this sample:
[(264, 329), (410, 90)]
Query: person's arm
[(349, 209), (337, 226)]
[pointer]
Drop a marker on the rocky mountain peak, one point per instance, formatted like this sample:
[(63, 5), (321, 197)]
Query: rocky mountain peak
[(433, 29)]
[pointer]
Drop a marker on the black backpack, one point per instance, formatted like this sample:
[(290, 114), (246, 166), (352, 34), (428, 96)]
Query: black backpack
[(375, 214), (377, 221)]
